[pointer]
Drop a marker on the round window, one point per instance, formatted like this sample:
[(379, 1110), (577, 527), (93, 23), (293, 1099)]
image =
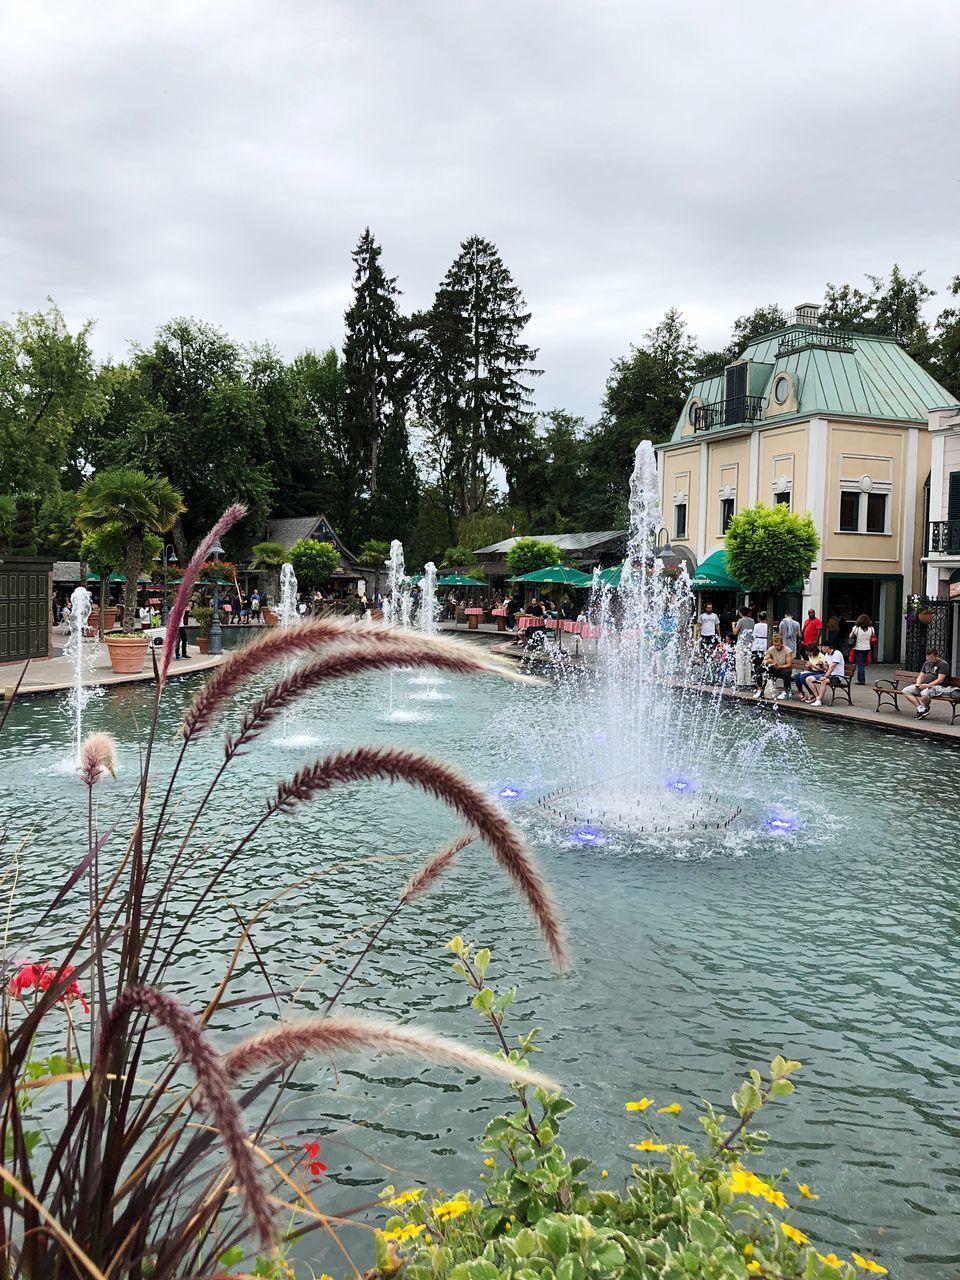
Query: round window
[(781, 389), (693, 413)]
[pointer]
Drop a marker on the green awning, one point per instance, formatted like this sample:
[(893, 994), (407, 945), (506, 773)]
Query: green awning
[(559, 575), (714, 575)]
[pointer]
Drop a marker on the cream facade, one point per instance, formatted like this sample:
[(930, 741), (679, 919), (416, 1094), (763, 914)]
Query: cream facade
[(831, 424), (941, 556)]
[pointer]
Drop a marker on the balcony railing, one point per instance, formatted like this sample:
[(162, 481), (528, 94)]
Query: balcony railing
[(729, 413), (944, 537), (814, 336)]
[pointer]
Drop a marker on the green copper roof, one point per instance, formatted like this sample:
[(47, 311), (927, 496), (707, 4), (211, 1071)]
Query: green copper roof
[(858, 375)]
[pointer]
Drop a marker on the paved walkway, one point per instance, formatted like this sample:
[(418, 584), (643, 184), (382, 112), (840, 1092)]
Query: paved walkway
[(55, 675)]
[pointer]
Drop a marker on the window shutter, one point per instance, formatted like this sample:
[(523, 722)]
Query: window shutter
[(953, 496)]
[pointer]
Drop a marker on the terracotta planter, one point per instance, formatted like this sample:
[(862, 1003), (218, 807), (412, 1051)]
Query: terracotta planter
[(925, 616), (270, 617), (127, 653), (109, 619), (203, 644)]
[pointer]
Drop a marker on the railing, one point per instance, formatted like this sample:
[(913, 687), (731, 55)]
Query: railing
[(814, 336), (729, 413), (935, 633), (944, 537)]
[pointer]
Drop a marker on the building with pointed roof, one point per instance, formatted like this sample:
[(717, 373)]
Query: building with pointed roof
[(827, 422)]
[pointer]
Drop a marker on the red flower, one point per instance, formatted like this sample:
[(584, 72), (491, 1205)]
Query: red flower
[(42, 977), (313, 1151)]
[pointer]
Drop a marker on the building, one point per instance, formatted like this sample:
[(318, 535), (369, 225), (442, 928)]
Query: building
[(584, 551), (290, 529), (941, 557), (827, 422)]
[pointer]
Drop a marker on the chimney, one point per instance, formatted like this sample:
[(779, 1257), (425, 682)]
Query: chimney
[(807, 312)]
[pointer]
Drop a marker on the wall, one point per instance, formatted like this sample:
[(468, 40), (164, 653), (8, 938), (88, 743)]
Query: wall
[(26, 617)]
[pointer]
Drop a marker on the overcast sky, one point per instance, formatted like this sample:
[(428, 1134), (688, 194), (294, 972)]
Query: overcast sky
[(219, 159)]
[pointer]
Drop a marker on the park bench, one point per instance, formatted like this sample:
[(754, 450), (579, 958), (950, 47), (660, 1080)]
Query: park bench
[(892, 690), (842, 685)]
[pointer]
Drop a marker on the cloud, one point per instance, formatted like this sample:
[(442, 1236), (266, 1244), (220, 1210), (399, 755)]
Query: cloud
[(220, 160)]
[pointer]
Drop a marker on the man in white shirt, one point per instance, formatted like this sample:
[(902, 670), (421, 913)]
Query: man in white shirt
[(709, 627), (836, 664)]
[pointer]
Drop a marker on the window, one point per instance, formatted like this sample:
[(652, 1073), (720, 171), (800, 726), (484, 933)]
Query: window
[(781, 389), (727, 506), (850, 511), (782, 498), (680, 520), (876, 513), (693, 414)]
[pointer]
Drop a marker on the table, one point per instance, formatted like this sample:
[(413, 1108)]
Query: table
[(473, 617)]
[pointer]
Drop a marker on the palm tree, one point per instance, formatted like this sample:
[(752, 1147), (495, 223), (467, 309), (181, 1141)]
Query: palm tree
[(134, 504), (374, 554), (271, 556)]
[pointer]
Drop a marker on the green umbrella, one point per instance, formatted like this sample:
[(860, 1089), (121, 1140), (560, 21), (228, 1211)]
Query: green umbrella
[(611, 577), (558, 574), (459, 580)]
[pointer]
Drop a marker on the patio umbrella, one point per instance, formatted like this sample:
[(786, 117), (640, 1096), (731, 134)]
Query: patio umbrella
[(557, 574), (611, 577), (459, 580)]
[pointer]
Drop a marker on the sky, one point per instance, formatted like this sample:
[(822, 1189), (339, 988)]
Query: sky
[(220, 159)]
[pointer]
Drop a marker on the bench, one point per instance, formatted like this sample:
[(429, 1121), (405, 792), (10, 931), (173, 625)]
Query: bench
[(892, 689), (842, 685)]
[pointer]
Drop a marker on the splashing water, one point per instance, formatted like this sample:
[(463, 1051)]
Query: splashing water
[(81, 655), (429, 624), (398, 605), (643, 746)]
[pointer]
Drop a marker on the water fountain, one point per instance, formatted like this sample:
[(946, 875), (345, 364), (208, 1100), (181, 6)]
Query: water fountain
[(642, 748), (428, 600), (81, 656)]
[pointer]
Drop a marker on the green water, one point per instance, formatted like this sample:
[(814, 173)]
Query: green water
[(837, 945)]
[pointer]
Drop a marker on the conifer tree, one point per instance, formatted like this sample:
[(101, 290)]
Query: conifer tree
[(473, 363), (371, 353)]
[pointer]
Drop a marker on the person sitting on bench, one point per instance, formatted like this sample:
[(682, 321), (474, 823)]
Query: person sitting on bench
[(832, 674), (930, 683)]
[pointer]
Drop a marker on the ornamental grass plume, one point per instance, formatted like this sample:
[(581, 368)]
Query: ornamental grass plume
[(226, 522), (286, 642), (289, 1042), (208, 1069), (360, 764), (433, 868), (356, 658), (98, 757)]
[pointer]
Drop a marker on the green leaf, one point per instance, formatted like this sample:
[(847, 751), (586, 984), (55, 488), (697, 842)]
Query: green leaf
[(230, 1257), (609, 1255), (782, 1088), (481, 960)]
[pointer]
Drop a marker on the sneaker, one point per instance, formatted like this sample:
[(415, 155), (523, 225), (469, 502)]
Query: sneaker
[(758, 695), (922, 712), (816, 703), (782, 697)]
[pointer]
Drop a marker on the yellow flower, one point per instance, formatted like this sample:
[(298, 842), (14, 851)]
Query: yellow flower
[(604, 1174), (753, 1267), (806, 1192), (744, 1183), (641, 1105), (747, 1249), (648, 1145), (867, 1264), (793, 1234), (489, 1162), (407, 1197), (451, 1209), (830, 1259), (674, 1109), (429, 1238), (402, 1234)]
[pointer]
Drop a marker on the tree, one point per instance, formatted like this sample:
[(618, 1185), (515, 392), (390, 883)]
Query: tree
[(458, 556), (104, 550), (133, 505), (770, 548), (371, 353), (46, 386), (23, 540), (746, 329), (393, 509), (270, 556), (947, 359), (313, 562), (471, 371), (892, 307), (8, 518), (320, 388), (374, 554), (529, 554), (57, 530)]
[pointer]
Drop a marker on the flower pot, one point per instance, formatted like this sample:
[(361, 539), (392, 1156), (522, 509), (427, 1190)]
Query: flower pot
[(203, 644), (270, 616), (127, 653), (925, 616), (109, 619)]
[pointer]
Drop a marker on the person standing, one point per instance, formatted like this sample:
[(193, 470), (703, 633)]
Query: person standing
[(709, 627), (181, 649), (810, 634), (789, 632), (743, 630), (759, 643), (862, 637)]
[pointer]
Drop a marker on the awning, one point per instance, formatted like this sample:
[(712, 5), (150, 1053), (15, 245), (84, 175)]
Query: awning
[(713, 575), (558, 575)]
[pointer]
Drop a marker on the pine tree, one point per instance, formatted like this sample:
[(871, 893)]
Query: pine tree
[(472, 370), (371, 353), (393, 512)]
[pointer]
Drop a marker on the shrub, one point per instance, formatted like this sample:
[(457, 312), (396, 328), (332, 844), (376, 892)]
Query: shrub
[(545, 1216), (313, 562), (529, 554), (770, 548)]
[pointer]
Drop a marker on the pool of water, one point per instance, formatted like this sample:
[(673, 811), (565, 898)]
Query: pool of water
[(693, 959)]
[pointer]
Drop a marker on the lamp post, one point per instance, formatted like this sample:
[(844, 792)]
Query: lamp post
[(167, 557), (216, 640), (666, 553)]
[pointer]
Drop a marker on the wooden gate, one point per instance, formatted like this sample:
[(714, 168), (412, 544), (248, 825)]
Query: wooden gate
[(24, 608)]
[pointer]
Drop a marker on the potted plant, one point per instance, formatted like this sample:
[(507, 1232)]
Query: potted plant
[(203, 617), (127, 507)]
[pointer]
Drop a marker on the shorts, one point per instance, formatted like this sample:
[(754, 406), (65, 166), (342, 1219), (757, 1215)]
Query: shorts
[(927, 690)]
